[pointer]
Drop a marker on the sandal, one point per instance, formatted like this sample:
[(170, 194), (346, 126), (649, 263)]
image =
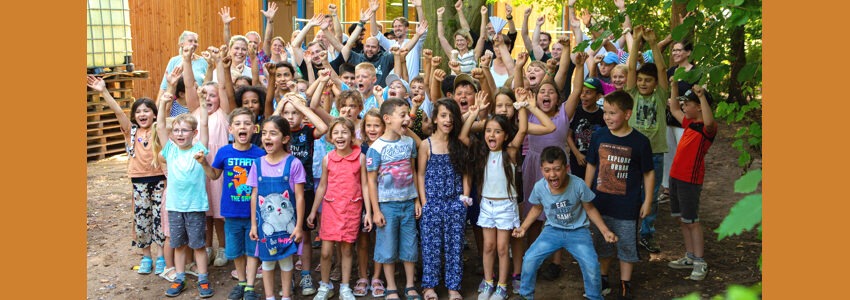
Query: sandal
[(298, 265), (361, 287), (391, 292), (430, 294), (191, 269), (169, 274), (378, 288), (409, 296)]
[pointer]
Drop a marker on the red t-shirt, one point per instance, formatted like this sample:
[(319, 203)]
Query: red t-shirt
[(689, 163)]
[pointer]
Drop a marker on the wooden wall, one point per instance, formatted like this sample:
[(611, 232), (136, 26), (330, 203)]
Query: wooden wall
[(156, 25)]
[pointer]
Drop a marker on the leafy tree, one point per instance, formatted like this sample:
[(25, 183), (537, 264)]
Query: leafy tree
[(471, 10)]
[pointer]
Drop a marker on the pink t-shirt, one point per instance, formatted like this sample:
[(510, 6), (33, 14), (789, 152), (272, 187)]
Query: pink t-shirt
[(296, 171)]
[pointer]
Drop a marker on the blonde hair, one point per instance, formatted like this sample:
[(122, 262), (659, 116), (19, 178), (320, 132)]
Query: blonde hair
[(622, 68), (366, 67), (236, 38)]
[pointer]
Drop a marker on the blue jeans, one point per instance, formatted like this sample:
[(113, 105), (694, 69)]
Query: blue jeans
[(647, 226), (237, 238), (580, 245)]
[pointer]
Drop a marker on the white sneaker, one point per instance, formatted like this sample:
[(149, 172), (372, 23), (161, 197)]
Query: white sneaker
[(220, 258), (681, 263), (700, 270), (346, 294), (324, 293), (209, 256)]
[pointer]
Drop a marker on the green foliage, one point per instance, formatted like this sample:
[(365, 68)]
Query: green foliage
[(745, 215), (734, 292), (749, 182)]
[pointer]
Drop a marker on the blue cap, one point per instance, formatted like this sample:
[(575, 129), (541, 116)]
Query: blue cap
[(610, 58), (593, 83)]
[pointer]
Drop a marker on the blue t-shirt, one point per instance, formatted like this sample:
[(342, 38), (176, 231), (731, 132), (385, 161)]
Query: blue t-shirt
[(563, 210), (186, 189), (199, 69), (395, 173), (301, 146), (368, 104), (235, 192), (620, 164)]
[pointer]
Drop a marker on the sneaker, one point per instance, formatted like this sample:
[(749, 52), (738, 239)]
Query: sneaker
[(501, 293), (204, 289), (700, 269), (250, 295), (209, 256), (552, 272), (682, 263), (515, 282), (160, 265), (306, 285), (145, 265), (176, 288), (649, 245), (663, 198), (485, 290), (237, 293), (324, 293), (606, 288), (625, 291), (220, 258), (346, 294), (317, 243)]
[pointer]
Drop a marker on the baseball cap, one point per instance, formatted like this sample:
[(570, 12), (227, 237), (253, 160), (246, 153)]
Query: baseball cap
[(610, 58), (689, 96), (393, 77), (465, 78), (593, 83)]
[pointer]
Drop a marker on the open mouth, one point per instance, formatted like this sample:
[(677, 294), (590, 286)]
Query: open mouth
[(392, 94), (491, 143), (546, 102), (554, 182), (340, 143), (242, 136), (532, 78), (464, 105)]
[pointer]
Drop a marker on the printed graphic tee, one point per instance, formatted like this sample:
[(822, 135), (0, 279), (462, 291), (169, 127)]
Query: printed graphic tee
[(395, 173), (236, 193), (620, 164), (563, 210)]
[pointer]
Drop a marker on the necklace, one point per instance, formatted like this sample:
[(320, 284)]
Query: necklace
[(145, 140)]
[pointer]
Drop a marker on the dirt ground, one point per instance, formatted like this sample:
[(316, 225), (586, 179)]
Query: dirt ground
[(110, 257)]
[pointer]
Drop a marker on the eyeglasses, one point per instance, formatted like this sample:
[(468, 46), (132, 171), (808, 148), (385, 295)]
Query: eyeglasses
[(180, 131)]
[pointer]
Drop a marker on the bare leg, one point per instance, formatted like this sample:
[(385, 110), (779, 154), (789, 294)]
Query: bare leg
[(219, 231), (268, 282), (346, 259), (409, 267), (251, 270), (363, 255), (240, 267), (389, 269), (201, 258), (503, 238), (697, 239), (286, 281), (626, 270), (489, 252), (327, 251)]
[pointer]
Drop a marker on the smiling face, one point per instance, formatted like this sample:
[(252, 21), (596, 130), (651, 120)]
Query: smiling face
[(144, 116), (251, 100), (614, 116), (692, 109), (254, 39), (347, 78), (544, 42), (680, 55), (182, 134), (555, 173), (277, 46), (371, 47), (190, 40), (605, 69), (399, 29), (461, 43), (374, 128), (490, 30), (618, 78), (547, 98), (557, 50), (504, 106), (238, 50), (535, 75), (464, 95), (398, 120), (646, 84), (494, 135), (340, 136), (316, 49), (443, 120), (242, 128), (273, 138)]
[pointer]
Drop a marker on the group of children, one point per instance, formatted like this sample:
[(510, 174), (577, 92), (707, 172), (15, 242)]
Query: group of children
[(396, 179)]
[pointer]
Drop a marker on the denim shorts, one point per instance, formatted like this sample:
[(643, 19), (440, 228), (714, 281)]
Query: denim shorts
[(237, 238), (188, 227), (398, 239), (499, 214), (626, 246)]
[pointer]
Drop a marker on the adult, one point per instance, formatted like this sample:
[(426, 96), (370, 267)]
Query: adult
[(253, 37), (400, 29), (464, 60), (199, 64)]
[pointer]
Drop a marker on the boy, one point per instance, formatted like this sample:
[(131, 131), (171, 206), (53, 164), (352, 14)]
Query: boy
[(394, 197), (187, 196), (586, 120), (617, 160), (365, 79), (687, 173), (234, 161), (346, 74), (303, 135), (649, 88), (566, 200)]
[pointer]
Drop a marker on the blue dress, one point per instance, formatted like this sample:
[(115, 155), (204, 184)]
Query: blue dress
[(442, 224)]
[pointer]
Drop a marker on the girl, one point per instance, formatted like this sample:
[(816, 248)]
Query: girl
[(277, 204), (502, 140), (252, 97), (547, 98), (345, 170), (443, 176), (148, 181), (372, 127)]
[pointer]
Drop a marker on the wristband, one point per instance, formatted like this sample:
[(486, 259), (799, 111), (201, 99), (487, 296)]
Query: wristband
[(510, 17), (466, 200)]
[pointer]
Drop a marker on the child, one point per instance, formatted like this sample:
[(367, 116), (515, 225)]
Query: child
[(283, 83), (587, 119), (567, 201), (294, 110), (444, 179), (343, 169), (687, 172), (649, 88), (188, 203), (365, 79), (276, 219), (147, 180), (372, 128), (393, 194), (619, 160), (234, 161)]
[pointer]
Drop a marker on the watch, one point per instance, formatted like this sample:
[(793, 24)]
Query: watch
[(510, 17)]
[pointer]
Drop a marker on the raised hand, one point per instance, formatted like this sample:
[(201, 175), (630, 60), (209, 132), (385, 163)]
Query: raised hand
[(485, 59), (271, 11), (598, 58), (564, 40), (541, 20), (224, 12), (366, 15), (649, 36), (316, 20), (552, 64), (436, 61), (174, 76), (95, 83), (621, 4), (323, 56), (440, 11), (455, 66), (394, 50), (439, 75), (508, 9), (422, 27), (581, 57), (378, 90), (585, 17), (332, 9), (417, 100), (477, 73), (270, 68), (187, 52), (498, 40), (166, 98), (416, 3), (522, 58), (200, 157), (698, 90), (252, 50), (571, 2), (528, 10), (459, 5), (374, 5), (325, 24), (484, 10), (427, 54)]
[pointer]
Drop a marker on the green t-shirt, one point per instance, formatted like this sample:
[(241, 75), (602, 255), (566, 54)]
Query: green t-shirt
[(649, 117)]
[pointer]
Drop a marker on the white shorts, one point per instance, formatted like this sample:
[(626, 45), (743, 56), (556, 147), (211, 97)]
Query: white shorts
[(500, 214)]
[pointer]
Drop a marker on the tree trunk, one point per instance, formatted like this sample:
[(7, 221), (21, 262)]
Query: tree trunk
[(471, 9), (739, 59)]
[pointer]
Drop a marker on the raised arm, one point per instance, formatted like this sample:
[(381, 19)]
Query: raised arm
[(673, 102), (578, 81), (650, 37), (564, 63), (509, 10), (227, 97), (374, 5), (189, 78), (224, 12), (255, 62), (482, 37), (631, 78), (627, 24), (421, 29), (161, 127), (98, 85), (470, 119), (270, 90), (335, 20), (203, 121), (524, 31), (437, 80), (427, 54), (297, 52), (504, 53), (546, 125), (535, 38), (447, 48), (318, 123), (269, 33), (460, 17), (519, 77), (707, 114), (317, 97)]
